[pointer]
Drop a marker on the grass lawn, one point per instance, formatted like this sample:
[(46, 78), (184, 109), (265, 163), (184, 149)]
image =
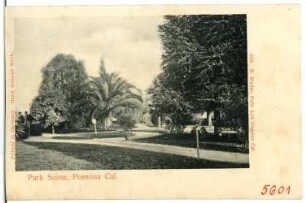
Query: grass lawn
[(218, 143), (33, 156)]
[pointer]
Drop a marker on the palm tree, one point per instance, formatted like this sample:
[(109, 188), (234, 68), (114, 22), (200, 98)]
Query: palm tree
[(108, 92), (20, 132)]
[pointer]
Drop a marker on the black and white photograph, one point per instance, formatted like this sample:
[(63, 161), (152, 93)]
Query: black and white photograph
[(131, 92)]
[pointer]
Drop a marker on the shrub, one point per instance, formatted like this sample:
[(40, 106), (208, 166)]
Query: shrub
[(126, 121), (20, 131), (36, 129)]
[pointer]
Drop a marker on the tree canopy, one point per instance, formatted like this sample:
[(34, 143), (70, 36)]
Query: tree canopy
[(67, 95), (108, 92), (205, 63), (62, 79)]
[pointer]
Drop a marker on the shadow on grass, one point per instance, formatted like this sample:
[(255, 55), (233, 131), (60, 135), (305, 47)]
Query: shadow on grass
[(230, 144), (73, 137), (106, 157), (146, 130), (100, 135)]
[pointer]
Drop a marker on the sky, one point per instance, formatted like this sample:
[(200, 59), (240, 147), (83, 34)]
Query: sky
[(129, 46)]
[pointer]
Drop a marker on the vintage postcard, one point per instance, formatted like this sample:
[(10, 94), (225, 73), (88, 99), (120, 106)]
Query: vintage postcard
[(153, 102)]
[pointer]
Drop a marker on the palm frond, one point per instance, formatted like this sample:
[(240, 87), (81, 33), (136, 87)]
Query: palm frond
[(130, 102), (107, 92)]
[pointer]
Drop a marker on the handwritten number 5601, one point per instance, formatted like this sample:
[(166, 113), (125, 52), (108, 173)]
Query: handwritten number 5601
[(273, 189)]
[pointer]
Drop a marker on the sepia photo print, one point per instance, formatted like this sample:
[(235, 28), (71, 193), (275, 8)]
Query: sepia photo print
[(197, 101), (140, 92)]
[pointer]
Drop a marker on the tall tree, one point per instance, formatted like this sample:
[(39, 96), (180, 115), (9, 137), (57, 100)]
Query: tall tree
[(205, 61), (62, 79)]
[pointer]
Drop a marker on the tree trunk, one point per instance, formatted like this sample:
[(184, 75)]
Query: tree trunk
[(29, 129), (66, 127), (106, 114), (217, 123), (209, 118), (53, 131)]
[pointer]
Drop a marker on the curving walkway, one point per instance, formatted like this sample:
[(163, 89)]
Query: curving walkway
[(223, 156)]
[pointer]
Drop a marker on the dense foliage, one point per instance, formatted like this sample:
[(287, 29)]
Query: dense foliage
[(70, 99), (62, 79), (204, 67)]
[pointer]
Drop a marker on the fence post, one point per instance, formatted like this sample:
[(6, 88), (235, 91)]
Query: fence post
[(198, 142)]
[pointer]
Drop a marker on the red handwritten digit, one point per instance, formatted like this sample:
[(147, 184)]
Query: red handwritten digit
[(272, 190), (281, 189), (288, 189), (264, 189)]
